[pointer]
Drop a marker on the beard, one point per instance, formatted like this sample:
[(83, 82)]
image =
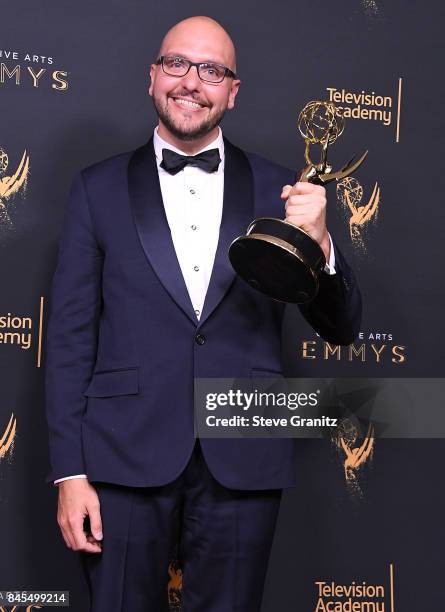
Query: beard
[(182, 131)]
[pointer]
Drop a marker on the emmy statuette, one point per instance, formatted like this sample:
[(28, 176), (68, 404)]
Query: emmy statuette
[(276, 257)]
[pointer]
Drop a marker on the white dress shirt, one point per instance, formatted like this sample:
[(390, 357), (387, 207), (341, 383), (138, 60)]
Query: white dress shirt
[(193, 203)]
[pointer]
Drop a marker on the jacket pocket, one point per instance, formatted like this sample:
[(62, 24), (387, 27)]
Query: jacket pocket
[(113, 382)]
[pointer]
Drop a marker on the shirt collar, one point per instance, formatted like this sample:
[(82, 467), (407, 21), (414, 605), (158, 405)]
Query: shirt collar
[(159, 144)]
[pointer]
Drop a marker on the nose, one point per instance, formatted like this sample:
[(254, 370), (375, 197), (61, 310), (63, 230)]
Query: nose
[(191, 80)]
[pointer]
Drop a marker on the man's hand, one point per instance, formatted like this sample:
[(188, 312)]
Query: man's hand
[(306, 208), (77, 500)]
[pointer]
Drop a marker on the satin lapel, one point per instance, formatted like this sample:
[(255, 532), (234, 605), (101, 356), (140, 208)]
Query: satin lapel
[(152, 225), (238, 210)]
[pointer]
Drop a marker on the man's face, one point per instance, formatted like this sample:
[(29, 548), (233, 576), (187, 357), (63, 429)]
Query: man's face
[(188, 107)]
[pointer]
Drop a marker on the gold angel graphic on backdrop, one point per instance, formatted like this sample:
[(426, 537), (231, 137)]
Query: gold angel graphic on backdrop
[(10, 185), (6, 441), (355, 457), (174, 586), (16, 608), (350, 194)]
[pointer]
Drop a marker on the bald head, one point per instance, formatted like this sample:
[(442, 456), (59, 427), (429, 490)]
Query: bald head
[(200, 39)]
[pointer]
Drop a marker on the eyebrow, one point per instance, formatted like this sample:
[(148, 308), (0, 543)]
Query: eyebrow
[(206, 61)]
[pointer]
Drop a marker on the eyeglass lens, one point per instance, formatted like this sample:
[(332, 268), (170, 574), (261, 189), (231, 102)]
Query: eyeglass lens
[(178, 66)]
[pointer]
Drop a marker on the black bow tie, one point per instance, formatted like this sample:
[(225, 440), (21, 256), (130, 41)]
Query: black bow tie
[(173, 162)]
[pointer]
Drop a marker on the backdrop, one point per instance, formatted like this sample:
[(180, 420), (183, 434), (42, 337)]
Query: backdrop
[(73, 90)]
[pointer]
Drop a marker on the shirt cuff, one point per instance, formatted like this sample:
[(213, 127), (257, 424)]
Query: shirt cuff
[(70, 477), (330, 267)]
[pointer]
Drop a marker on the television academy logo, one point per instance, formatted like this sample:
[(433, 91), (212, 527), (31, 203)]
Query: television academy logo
[(365, 105), (16, 330), (11, 184), (357, 595), (360, 215), (20, 331)]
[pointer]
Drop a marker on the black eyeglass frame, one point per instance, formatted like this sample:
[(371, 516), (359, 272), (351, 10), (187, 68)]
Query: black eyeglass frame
[(227, 71)]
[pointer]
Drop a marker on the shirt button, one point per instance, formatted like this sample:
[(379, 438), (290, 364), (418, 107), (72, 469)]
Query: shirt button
[(200, 339), (192, 191), (194, 227), (197, 312), (196, 268)]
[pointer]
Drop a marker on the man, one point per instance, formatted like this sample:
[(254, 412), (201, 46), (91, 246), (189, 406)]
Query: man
[(145, 300)]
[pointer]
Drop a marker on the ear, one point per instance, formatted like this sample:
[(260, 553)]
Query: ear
[(233, 91), (152, 78)]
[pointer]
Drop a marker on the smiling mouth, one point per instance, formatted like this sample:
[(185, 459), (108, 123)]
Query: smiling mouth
[(189, 104)]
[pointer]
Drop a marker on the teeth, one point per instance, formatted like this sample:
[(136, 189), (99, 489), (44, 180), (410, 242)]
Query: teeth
[(187, 103)]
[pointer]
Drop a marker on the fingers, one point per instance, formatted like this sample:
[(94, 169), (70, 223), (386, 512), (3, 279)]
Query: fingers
[(304, 187), (79, 503), (95, 519), (307, 191), (75, 537), (306, 208), (304, 197), (285, 192), (301, 188), (313, 208), (81, 543), (302, 200)]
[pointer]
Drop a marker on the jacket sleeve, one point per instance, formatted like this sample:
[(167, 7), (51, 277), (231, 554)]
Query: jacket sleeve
[(72, 333), (336, 311)]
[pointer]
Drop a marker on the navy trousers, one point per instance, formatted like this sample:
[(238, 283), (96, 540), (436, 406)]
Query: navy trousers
[(221, 539)]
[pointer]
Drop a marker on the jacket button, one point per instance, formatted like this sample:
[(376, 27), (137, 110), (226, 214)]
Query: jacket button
[(200, 339)]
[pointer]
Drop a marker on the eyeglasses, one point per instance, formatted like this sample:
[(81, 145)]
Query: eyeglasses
[(207, 71)]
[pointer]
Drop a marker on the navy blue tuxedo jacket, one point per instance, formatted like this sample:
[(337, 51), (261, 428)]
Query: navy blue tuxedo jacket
[(124, 344)]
